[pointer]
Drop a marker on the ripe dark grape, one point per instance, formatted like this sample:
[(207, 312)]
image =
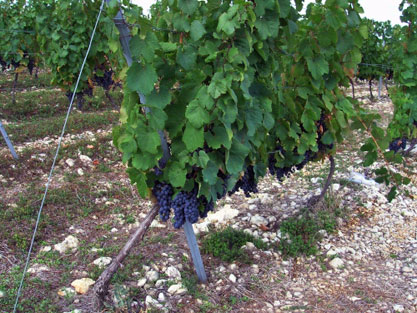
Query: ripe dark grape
[(163, 193), (397, 144)]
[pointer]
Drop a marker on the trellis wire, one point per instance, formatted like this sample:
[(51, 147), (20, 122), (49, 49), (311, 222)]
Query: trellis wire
[(18, 31), (53, 163)]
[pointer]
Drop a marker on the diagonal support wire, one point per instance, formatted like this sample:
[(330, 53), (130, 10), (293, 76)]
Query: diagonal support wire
[(19, 291)]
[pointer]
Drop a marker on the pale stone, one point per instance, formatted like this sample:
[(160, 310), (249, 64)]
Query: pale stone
[(407, 269), (114, 230), (80, 172), (398, 308), (223, 215), (173, 272), (232, 278), (355, 299), (70, 162), (250, 246), (156, 224), (152, 276), (142, 282), (69, 243), (331, 252), (176, 290), (82, 285), (161, 297), (233, 266), (258, 220), (201, 227), (37, 268), (75, 311), (102, 261), (151, 302), (159, 283), (46, 249), (336, 263), (85, 159), (66, 292), (2, 294)]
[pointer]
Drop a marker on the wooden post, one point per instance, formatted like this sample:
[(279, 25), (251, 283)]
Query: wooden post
[(8, 142)]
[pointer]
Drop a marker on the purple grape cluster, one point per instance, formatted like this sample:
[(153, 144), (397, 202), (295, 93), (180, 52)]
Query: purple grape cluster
[(247, 183), (185, 205), (106, 80), (163, 193)]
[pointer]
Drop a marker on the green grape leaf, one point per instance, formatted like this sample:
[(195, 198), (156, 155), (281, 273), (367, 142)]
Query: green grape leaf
[(186, 57), (218, 85), (148, 141), (144, 161), (188, 6), (177, 175), (197, 30), (158, 99), (127, 143), (210, 173), (138, 178), (235, 157), (218, 138), (318, 67), (196, 114), (193, 137), (141, 78)]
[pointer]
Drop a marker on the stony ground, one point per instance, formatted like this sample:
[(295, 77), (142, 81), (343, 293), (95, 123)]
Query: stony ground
[(369, 264)]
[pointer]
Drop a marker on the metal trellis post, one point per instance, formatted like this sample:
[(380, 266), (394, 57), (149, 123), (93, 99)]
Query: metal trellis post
[(380, 87), (8, 142), (188, 228)]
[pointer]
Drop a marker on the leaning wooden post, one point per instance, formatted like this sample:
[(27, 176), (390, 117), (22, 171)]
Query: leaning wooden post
[(188, 229), (8, 142)]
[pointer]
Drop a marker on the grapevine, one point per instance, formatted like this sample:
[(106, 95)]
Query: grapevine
[(236, 87)]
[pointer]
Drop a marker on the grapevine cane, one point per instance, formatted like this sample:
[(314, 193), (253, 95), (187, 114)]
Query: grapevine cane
[(8, 142), (188, 229)]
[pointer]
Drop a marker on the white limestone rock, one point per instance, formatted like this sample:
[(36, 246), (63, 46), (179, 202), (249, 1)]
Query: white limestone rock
[(173, 272), (336, 263), (258, 220), (177, 289), (102, 262), (70, 243), (82, 285)]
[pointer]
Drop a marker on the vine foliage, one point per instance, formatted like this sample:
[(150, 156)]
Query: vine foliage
[(237, 87)]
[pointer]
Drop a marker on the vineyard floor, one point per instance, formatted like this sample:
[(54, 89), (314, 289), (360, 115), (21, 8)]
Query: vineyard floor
[(367, 264)]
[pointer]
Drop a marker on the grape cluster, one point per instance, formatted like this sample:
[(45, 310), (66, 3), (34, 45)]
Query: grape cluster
[(397, 144), (106, 80), (79, 96), (185, 205), (247, 183), (163, 193)]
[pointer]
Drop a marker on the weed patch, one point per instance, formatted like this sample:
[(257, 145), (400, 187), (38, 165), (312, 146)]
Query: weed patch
[(227, 245)]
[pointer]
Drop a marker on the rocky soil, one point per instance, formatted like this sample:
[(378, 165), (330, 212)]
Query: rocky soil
[(368, 265)]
